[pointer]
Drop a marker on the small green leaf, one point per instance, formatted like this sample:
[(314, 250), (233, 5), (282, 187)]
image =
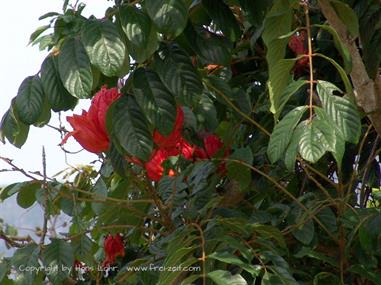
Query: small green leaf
[(290, 90), (341, 111), (326, 278), (27, 194), (58, 97), (29, 100), (38, 32), (130, 129), (223, 277), (100, 191), (142, 39), (169, 16), (229, 258), (104, 46), (75, 69), (4, 267), (155, 100), (223, 18), (282, 133)]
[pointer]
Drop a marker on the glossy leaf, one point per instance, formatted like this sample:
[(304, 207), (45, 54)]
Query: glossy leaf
[(75, 69), (130, 128), (347, 16), (169, 16), (29, 100), (223, 277), (282, 133), (341, 111), (58, 97), (104, 46), (155, 100)]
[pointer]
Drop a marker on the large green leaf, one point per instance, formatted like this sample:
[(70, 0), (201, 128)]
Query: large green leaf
[(315, 140), (177, 72), (170, 16), (26, 257), (341, 111), (229, 258), (13, 129), (59, 256), (213, 50), (223, 277), (142, 39), (29, 100), (104, 46), (75, 69), (58, 97), (129, 128), (155, 100), (277, 23), (279, 79), (282, 133), (223, 18)]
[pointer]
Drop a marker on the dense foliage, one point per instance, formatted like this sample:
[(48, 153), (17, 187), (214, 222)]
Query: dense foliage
[(238, 139)]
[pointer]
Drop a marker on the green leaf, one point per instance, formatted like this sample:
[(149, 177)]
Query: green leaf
[(59, 255), (326, 278), (341, 111), (177, 72), (26, 257), (29, 100), (104, 46), (277, 23), (142, 40), (206, 113), (347, 16), (75, 69), (100, 190), (282, 133), (292, 149), (38, 32), (344, 77), (367, 273), (213, 50), (280, 78), (223, 277), (12, 129), (155, 100), (27, 194), (223, 18), (287, 93), (130, 129), (229, 258), (58, 97), (4, 267), (237, 171), (315, 140), (343, 50), (169, 16), (82, 248)]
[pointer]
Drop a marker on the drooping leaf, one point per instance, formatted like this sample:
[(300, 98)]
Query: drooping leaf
[(347, 16), (177, 72), (142, 39), (29, 100), (75, 69), (155, 100), (290, 90), (11, 128), (169, 16), (341, 111), (223, 18), (282, 133), (58, 97), (130, 129), (104, 46)]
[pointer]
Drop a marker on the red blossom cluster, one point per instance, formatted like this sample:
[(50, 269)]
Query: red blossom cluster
[(298, 44), (175, 144), (89, 129), (113, 247)]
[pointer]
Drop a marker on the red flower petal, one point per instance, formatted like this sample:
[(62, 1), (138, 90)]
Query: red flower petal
[(113, 247)]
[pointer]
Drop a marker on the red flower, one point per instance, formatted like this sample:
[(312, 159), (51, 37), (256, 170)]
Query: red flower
[(113, 247), (174, 137), (89, 129), (212, 144), (298, 44)]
